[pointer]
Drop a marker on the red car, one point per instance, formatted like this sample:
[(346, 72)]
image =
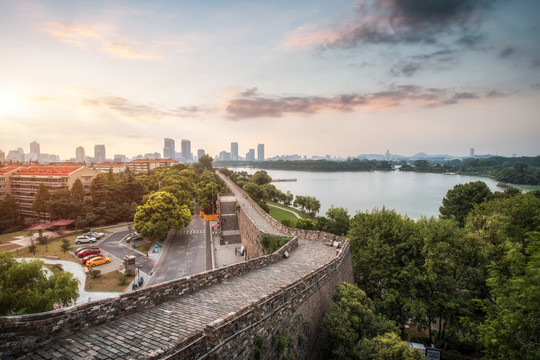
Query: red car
[(86, 258), (84, 248), (86, 252)]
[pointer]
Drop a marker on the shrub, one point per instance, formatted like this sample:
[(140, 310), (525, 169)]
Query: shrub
[(95, 273), (271, 243), (284, 340)]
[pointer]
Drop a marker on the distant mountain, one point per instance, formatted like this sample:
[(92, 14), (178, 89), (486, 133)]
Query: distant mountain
[(419, 156)]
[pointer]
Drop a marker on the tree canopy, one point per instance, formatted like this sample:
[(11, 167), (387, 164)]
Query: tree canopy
[(25, 288), (159, 214), (460, 200)]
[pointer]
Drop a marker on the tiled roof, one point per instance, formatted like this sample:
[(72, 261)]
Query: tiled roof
[(153, 161), (9, 168), (48, 170)]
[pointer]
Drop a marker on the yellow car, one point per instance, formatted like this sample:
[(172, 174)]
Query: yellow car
[(98, 260)]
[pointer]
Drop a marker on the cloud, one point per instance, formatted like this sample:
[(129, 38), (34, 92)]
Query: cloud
[(103, 38), (136, 110), (397, 21), (254, 106)]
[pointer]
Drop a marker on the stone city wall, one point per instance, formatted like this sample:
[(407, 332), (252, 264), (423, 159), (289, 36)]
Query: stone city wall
[(30, 331), (295, 311)]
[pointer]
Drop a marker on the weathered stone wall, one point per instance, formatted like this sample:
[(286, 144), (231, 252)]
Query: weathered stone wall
[(26, 332), (250, 235), (294, 312)]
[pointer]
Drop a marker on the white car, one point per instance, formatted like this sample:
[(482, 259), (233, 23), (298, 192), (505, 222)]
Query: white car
[(85, 239), (97, 235)]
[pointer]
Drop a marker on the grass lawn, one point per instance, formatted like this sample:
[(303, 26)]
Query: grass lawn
[(11, 236), (280, 215), (300, 213), (144, 247), (113, 281), (54, 248)]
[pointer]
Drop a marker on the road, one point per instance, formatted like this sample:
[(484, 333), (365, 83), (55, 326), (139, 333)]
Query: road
[(114, 247), (184, 253)]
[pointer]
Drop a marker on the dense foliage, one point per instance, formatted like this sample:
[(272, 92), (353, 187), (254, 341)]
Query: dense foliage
[(10, 218), (478, 282), (271, 243), (25, 288)]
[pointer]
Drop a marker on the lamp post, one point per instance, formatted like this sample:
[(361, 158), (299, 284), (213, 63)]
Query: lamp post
[(130, 226)]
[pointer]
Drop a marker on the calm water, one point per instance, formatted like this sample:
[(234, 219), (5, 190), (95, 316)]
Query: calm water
[(411, 194)]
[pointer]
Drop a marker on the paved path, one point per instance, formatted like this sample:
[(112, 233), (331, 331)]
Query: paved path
[(254, 216), (152, 330)]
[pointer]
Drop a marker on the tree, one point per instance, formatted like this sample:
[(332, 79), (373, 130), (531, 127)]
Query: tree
[(461, 200), (387, 260), (62, 206), (300, 201), (389, 346), (205, 163), (41, 198), (160, 213), (306, 224), (261, 178), (10, 218), (256, 192), (77, 192), (350, 321), (312, 205), (26, 289), (288, 198), (338, 221)]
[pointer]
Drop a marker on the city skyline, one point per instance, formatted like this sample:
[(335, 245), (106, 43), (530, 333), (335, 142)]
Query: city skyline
[(314, 78)]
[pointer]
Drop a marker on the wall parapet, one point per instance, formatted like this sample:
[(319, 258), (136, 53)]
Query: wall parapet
[(25, 332)]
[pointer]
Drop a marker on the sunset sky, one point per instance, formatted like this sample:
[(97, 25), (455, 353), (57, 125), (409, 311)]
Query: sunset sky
[(306, 77)]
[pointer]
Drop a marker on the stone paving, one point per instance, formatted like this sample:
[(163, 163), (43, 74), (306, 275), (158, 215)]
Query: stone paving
[(153, 330)]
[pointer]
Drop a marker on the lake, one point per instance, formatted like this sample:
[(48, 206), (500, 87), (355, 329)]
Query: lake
[(409, 193)]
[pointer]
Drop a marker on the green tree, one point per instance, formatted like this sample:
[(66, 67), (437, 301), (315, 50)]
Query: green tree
[(300, 202), (62, 206), (389, 346), (77, 192), (261, 178), (26, 289), (312, 205), (338, 221), (461, 200), (288, 198), (41, 198), (205, 163), (10, 218), (350, 320), (159, 214), (306, 224), (256, 192), (387, 259)]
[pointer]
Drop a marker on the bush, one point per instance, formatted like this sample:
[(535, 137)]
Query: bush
[(58, 267), (95, 273), (264, 206), (86, 229), (42, 240), (32, 248), (271, 243), (284, 340)]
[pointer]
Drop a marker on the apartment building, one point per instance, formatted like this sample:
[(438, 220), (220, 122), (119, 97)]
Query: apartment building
[(138, 165), (117, 167), (23, 181), (5, 174)]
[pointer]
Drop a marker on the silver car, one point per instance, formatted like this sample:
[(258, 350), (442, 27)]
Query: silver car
[(85, 239), (97, 235)]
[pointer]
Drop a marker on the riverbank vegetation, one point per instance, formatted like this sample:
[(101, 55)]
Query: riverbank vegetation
[(469, 284)]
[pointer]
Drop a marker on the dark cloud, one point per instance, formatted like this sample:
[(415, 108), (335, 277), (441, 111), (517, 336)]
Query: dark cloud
[(272, 106), (406, 69), (412, 21), (445, 53), (506, 52)]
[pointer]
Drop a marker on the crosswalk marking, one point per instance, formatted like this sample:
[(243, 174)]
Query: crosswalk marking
[(189, 232)]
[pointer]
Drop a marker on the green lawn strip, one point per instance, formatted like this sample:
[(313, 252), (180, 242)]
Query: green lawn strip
[(54, 248), (113, 281), (301, 213), (280, 215)]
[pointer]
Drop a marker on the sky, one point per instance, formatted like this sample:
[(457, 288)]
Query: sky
[(302, 77)]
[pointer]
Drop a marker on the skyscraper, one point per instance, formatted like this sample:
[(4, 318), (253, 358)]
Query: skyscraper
[(234, 151), (34, 148), (99, 153), (250, 155), (186, 149), (168, 149), (200, 153), (471, 152), (79, 154), (260, 152)]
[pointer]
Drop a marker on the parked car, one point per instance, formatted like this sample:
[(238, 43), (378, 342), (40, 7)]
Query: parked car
[(98, 260), (87, 252), (84, 248), (86, 258), (85, 239), (97, 235), (133, 237)]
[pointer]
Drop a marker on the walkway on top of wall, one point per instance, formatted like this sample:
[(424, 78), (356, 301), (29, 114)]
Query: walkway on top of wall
[(154, 330), (246, 206)]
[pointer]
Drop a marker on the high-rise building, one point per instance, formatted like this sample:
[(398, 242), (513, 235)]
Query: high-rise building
[(79, 154), (200, 153), (260, 152), (471, 152), (99, 153), (186, 149), (34, 148), (387, 155), (168, 148), (234, 151), (2, 156), (250, 155)]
